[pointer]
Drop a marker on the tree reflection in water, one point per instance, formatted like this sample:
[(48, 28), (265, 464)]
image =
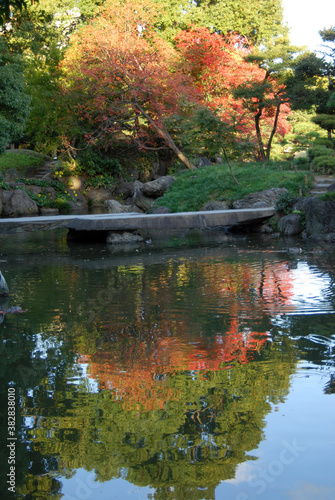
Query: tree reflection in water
[(164, 379)]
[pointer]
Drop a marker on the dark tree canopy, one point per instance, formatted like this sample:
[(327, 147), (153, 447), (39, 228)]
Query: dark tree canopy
[(14, 102), (7, 5)]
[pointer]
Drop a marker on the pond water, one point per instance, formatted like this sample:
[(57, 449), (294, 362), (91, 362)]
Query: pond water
[(185, 370)]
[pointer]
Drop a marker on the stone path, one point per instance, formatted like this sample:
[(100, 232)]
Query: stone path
[(45, 169), (321, 184)]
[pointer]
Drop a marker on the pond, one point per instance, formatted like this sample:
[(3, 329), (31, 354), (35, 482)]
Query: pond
[(189, 369)]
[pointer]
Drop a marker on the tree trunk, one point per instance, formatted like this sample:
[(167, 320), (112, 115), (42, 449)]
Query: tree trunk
[(259, 135), (230, 168), (273, 131), (167, 137)]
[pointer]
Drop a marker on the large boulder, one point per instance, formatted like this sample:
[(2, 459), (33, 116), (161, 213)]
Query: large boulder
[(34, 189), (97, 197), (203, 162), (323, 238), (156, 188), (137, 185), (79, 200), (11, 175), (141, 201), (290, 225), (19, 203), (125, 190), (115, 207), (161, 210), (160, 169), (260, 199), (320, 216), (215, 205), (50, 192), (5, 195)]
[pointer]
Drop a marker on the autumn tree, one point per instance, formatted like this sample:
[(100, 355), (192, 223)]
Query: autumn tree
[(238, 90), (266, 98), (122, 80)]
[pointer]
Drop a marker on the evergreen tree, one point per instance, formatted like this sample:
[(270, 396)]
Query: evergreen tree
[(268, 98), (325, 116)]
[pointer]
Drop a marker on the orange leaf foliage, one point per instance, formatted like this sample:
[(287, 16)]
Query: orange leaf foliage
[(217, 66), (118, 65)]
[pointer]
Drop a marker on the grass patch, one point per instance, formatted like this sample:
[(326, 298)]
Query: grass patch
[(63, 205), (193, 189), (330, 196), (21, 160)]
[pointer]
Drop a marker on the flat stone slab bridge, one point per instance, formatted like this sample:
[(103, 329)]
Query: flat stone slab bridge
[(91, 225)]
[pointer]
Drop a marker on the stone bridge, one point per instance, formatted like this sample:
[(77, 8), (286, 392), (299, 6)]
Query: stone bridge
[(92, 225)]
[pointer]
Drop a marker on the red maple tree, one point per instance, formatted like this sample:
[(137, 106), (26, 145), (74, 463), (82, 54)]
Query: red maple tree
[(124, 80), (218, 67)]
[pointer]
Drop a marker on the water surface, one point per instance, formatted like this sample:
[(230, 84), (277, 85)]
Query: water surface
[(194, 370)]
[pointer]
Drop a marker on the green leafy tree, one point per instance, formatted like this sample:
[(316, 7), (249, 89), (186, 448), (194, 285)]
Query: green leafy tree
[(204, 133), (40, 33), (14, 101), (258, 20)]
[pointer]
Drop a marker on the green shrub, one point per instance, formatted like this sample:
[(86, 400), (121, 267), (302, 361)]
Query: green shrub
[(63, 205), (301, 161), (326, 163), (4, 185), (317, 151), (92, 163), (99, 181), (34, 182), (302, 215), (324, 141), (285, 202)]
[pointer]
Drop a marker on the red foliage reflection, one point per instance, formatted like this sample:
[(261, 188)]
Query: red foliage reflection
[(137, 374), (136, 367)]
